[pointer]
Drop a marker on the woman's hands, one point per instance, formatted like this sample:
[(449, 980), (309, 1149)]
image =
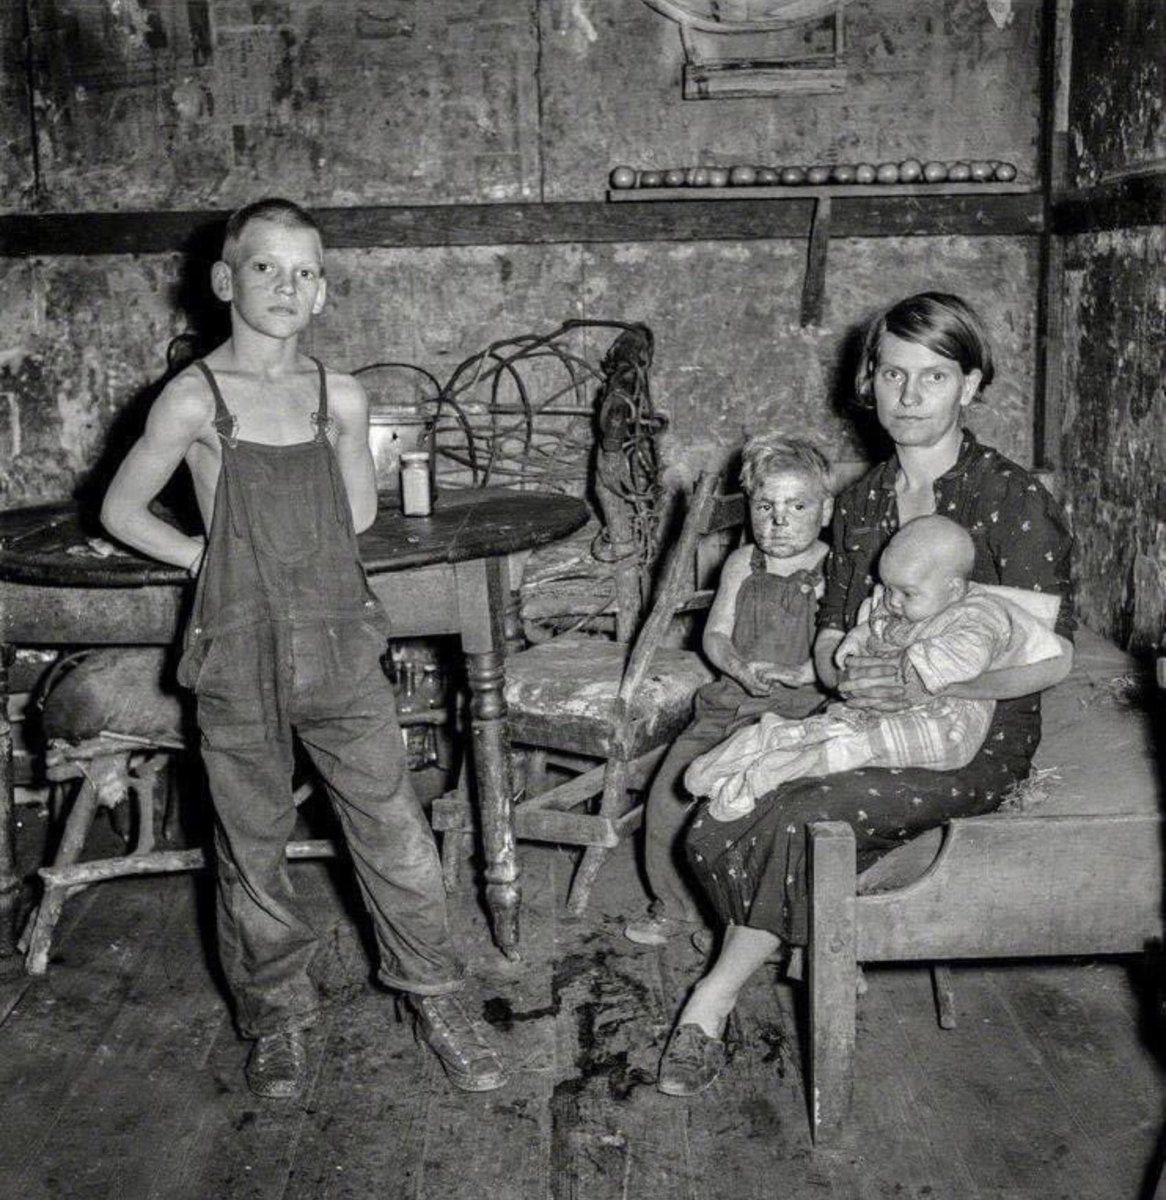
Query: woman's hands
[(863, 680), (880, 684)]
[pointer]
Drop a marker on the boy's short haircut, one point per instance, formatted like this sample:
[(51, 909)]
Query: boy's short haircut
[(769, 454), (275, 209)]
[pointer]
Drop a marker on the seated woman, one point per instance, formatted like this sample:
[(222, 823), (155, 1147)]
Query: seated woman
[(923, 362)]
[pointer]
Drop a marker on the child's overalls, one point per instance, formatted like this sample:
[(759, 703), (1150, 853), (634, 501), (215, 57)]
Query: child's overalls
[(286, 634), (775, 623)]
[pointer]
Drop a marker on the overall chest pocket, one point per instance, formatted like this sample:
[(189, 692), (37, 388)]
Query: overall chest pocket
[(285, 517)]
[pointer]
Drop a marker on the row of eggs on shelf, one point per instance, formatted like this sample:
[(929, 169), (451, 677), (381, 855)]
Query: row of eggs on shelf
[(910, 170)]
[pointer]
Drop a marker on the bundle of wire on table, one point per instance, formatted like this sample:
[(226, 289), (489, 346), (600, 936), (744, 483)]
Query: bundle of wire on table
[(528, 412)]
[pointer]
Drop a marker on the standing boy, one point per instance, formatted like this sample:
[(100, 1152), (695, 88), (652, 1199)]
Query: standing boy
[(285, 636)]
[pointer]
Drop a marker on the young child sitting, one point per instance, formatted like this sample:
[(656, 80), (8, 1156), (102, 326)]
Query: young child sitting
[(759, 635), (285, 636), (940, 629)]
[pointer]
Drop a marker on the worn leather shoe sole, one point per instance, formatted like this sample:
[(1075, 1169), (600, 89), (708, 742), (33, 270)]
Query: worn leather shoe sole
[(691, 1061), (469, 1061), (656, 931), (277, 1066)]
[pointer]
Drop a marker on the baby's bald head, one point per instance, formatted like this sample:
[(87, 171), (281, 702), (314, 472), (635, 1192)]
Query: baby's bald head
[(926, 566), (937, 541)]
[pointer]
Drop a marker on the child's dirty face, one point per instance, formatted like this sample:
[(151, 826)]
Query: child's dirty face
[(276, 281), (787, 511)]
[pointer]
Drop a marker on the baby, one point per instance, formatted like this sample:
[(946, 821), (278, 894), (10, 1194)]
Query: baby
[(941, 629)]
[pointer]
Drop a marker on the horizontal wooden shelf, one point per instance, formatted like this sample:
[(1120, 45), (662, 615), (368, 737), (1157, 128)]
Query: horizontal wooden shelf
[(798, 190), (875, 211)]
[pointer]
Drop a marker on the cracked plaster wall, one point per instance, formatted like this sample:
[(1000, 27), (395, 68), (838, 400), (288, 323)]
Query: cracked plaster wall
[(202, 104)]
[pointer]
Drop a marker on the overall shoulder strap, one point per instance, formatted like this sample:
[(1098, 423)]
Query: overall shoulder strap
[(320, 418), (225, 423)]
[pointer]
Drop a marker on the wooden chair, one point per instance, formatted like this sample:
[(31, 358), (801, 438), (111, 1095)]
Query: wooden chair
[(607, 709), (1073, 867)]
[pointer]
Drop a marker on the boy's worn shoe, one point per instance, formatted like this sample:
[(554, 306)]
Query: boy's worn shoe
[(691, 1061), (277, 1067), (459, 1041), (657, 929)]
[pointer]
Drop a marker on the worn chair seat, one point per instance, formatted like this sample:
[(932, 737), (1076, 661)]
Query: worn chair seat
[(562, 694)]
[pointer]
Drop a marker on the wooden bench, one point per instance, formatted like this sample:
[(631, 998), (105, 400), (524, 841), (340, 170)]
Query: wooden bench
[(1072, 865)]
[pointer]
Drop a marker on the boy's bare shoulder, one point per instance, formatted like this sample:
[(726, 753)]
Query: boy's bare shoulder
[(346, 395), (186, 400)]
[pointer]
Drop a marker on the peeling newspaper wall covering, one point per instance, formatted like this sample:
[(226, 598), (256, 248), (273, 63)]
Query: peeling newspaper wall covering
[(1114, 351), (204, 104)]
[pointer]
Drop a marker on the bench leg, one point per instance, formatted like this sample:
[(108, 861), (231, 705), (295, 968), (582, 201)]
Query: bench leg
[(832, 976)]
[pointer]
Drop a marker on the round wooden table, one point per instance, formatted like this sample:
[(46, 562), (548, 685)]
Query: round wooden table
[(448, 573)]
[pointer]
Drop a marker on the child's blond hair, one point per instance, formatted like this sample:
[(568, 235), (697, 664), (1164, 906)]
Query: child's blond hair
[(768, 454)]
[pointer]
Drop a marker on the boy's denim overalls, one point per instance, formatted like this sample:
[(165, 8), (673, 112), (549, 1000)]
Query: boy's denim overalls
[(285, 634)]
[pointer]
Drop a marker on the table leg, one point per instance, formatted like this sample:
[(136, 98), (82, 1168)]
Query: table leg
[(9, 879), (495, 784)]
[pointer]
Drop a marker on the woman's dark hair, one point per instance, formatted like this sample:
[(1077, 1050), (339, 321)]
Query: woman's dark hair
[(941, 322)]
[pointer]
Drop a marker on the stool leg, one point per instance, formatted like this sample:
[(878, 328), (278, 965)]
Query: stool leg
[(77, 825), (72, 843), (39, 932)]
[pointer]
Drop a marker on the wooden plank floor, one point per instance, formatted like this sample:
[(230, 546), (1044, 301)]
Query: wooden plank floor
[(121, 1076)]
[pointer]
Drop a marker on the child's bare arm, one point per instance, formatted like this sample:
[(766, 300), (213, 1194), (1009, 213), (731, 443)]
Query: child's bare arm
[(350, 408), (178, 418), (718, 631)]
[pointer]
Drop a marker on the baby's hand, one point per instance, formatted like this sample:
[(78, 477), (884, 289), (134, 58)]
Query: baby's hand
[(847, 648)]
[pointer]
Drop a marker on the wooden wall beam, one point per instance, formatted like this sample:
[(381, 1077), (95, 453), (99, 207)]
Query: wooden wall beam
[(1117, 204), (160, 232)]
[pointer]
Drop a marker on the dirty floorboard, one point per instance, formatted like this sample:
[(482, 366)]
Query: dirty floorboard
[(122, 1076)]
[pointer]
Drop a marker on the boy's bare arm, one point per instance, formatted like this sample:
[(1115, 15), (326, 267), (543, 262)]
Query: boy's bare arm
[(177, 419), (350, 408)]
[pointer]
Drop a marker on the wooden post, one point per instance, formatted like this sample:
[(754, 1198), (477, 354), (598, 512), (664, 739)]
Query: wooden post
[(9, 878), (832, 970), (814, 287)]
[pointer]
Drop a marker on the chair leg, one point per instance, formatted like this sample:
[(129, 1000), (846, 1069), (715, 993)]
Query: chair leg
[(832, 971), (535, 774), (610, 803), (944, 986)]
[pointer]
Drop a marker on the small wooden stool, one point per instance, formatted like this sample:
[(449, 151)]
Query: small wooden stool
[(112, 767)]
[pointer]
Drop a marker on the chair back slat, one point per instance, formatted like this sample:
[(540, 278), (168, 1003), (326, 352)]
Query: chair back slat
[(675, 585)]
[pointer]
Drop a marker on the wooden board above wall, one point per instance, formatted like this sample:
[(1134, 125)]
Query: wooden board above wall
[(534, 224)]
